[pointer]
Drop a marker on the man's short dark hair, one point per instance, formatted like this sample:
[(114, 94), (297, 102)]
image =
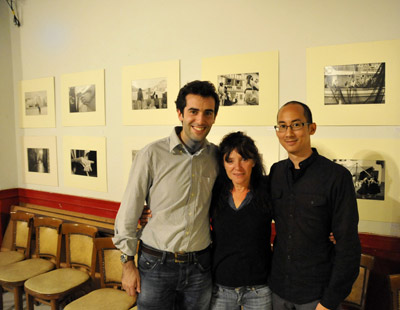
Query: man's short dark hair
[(307, 111), (202, 88)]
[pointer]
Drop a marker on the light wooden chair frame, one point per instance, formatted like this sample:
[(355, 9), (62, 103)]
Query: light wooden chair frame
[(394, 281)]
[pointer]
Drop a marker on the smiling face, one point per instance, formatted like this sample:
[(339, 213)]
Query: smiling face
[(197, 119), (297, 143), (238, 169)]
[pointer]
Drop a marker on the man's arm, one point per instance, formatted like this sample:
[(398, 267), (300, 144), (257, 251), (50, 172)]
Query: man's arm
[(347, 249), (126, 222)]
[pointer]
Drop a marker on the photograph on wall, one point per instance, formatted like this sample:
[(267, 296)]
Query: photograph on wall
[(40, 160), (149, 92), (248, 82), (368, 177), (37, 103), (239, 89), (85, 164), (83, 99), (355, 84)]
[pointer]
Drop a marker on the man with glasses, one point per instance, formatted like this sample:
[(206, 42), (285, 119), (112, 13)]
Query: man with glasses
[(312, 196)]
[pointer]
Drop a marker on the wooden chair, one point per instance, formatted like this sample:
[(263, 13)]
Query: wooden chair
[(48, 245), (358, 295), (109, 296), (21, 238), (394, 280), (52, 288)]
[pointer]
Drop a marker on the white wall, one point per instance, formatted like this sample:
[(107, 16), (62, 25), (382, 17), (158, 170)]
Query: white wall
[(8, 153), (59, 37)]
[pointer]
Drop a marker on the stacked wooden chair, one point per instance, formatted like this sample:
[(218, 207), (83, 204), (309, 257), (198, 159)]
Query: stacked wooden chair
[(21, 238), (109, 296), (48, 244), (55, 287)]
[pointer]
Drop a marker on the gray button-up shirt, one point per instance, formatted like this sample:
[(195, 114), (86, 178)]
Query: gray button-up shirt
[(177, 187)]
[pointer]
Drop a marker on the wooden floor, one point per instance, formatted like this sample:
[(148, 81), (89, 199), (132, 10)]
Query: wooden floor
[(8, 303)]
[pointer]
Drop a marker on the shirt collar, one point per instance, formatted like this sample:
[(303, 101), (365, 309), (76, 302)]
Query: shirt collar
[(305, 163), (175, 143)]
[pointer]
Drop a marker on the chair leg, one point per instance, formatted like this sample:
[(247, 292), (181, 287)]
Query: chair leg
[(29, 302), (54, 304), (18, 297), (1, 297)]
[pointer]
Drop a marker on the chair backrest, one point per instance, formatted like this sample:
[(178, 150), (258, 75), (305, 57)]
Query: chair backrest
[(48, 238), (80, 251), (358, 293), (395, 290), (109, 263), (22, 232)]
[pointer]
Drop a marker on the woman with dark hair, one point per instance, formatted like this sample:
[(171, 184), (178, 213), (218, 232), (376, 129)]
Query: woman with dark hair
[(241, 228)]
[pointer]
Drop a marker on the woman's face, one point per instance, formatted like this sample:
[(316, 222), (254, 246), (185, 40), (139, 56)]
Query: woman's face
[(238, 169)]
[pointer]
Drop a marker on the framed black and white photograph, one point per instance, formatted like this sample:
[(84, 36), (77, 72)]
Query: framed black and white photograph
[(375, 169), (149, 92), (368, 177), (355, 84), (37, 103), (85, 164), (239, 89), (40, 160), (249, 83), (83, 98)]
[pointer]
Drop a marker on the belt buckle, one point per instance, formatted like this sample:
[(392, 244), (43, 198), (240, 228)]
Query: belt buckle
[(176, 254)]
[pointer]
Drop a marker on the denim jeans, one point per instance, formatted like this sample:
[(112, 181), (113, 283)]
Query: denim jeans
[(250, 297), (169, 285)]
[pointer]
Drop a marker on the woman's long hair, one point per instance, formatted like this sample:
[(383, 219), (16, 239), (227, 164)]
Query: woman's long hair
[(245, 146)]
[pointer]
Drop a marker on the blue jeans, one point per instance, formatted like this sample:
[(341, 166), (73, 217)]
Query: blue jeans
[(250, 297), (169, 285)]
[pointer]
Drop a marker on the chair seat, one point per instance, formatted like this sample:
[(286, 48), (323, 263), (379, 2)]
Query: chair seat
[(56, 281), (103, 299), (24, 270), (10, 257)]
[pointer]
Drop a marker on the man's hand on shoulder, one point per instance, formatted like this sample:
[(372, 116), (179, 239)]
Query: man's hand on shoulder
[(130, 278), (321, 307)]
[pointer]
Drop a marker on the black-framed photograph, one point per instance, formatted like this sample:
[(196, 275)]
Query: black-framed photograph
[(150, 94), (355, 84), (238, 89), (368, 177)]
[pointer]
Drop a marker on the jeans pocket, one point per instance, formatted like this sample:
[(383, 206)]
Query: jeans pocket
[(263, 291), (147, 261)]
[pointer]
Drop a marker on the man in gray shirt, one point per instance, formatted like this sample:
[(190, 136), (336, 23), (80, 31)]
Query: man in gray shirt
[(175, 177)]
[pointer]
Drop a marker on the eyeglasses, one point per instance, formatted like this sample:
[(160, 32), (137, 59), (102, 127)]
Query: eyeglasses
[(294, 126)]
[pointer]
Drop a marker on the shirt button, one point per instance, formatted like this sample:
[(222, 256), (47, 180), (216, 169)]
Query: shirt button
[(187, 233), (288, 257), (190, 213), (290, 236)]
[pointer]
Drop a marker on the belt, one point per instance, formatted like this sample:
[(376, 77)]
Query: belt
[(177, 257)]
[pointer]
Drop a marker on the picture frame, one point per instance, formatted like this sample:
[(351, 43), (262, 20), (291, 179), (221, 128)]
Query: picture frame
[(83, 98), (235, 69), (358, 55), (37, 103), (155, 105), (40, 160), (85, 165), (386, 150)]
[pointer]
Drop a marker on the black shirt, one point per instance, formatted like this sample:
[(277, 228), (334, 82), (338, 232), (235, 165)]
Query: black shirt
[(308, 204), (241, 244)]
